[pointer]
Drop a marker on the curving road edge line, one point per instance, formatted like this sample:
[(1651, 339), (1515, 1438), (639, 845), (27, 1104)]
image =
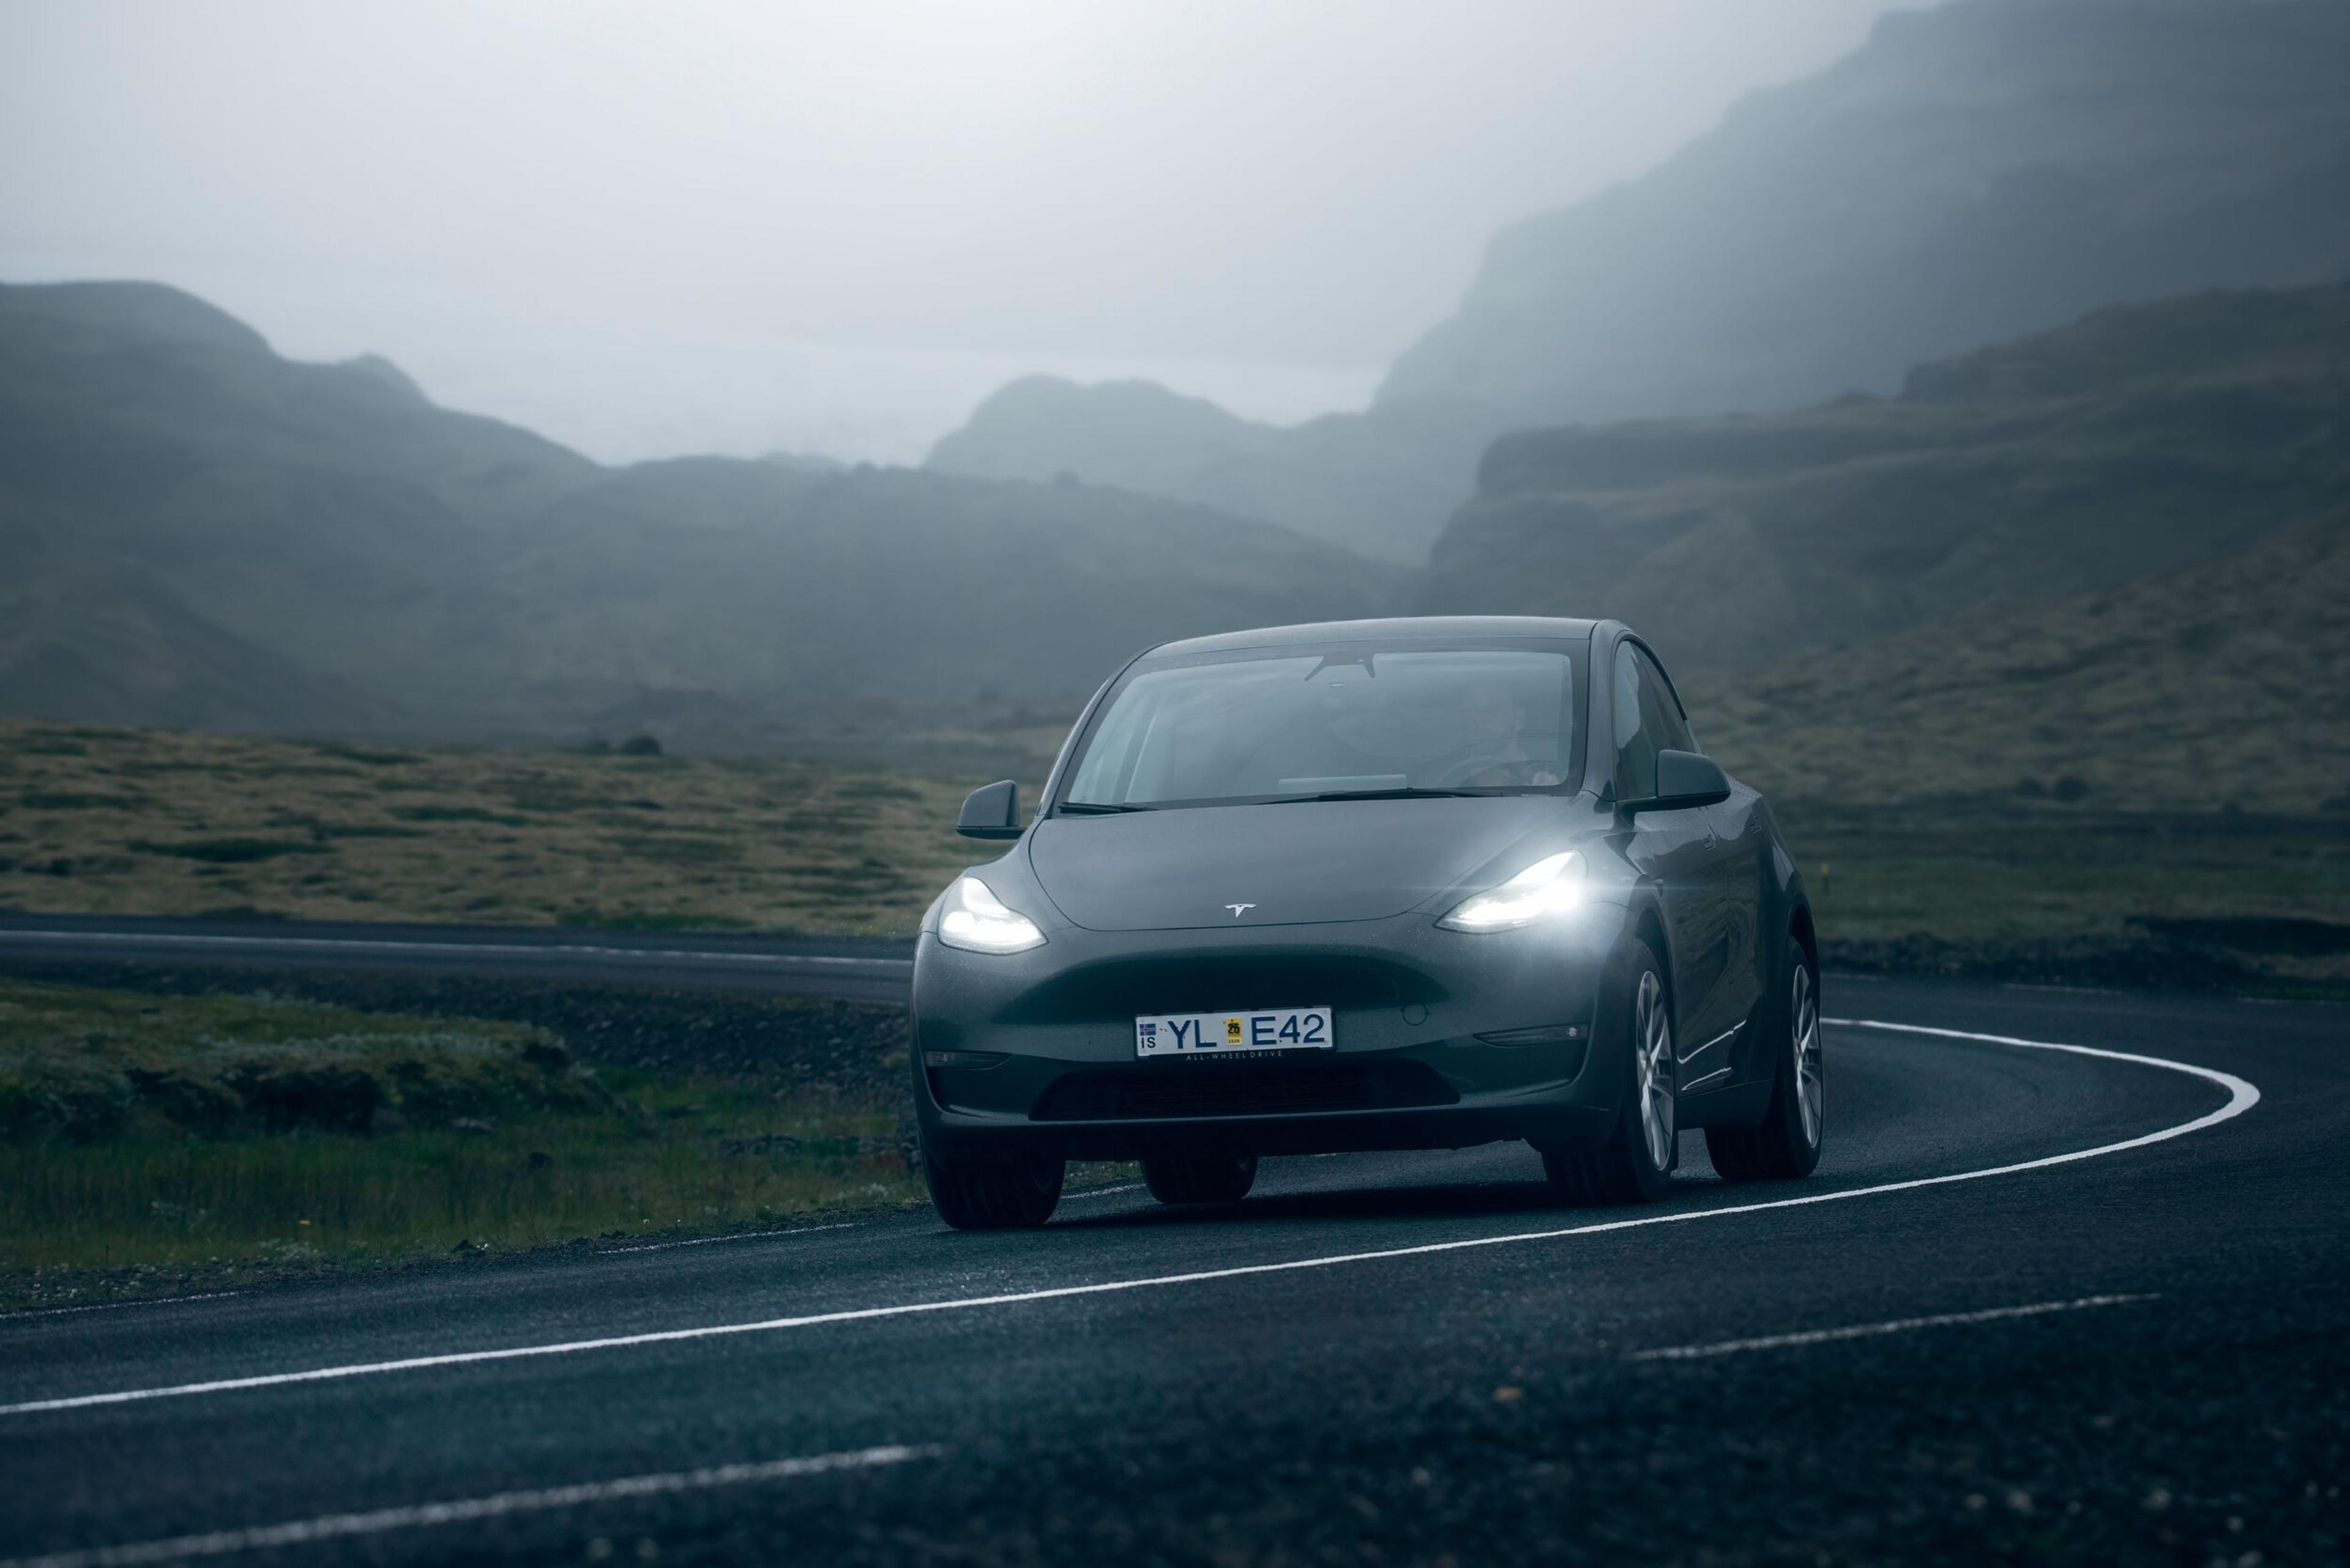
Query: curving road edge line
[(2241, 1097)]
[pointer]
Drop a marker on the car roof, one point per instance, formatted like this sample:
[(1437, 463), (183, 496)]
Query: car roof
[(1389, 629)]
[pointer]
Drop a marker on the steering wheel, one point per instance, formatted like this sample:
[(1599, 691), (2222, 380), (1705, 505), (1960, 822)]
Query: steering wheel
[(1522, 773), (1458, 774)]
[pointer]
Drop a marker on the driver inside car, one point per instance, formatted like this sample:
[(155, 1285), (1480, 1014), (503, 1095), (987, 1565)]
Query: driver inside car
[(1496, 723)]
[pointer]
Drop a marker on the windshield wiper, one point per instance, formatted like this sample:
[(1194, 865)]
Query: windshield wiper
[(1087, 806), (1407, 792)]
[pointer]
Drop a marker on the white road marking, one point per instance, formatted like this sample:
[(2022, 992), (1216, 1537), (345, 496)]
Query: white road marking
[(335, 1526), (388, 944), (1870, 1330), (2242, 1096), (1101, 1191), (115, 1306), (713, 1240)]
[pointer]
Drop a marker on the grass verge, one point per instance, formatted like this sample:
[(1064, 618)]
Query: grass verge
[(152, 1143), (2039, 890)]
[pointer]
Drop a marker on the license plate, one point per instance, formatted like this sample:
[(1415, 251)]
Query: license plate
[(1225, 1033)]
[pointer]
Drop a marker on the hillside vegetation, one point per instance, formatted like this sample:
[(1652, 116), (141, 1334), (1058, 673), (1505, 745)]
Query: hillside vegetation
[(2226, 686), (2115, 551), (195, 532)]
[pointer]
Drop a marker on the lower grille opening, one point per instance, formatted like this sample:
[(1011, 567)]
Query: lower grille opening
[(1174, 1090)]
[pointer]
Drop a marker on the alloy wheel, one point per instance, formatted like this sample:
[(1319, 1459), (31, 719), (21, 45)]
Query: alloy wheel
[(1654, 1034), (1803, 1028)]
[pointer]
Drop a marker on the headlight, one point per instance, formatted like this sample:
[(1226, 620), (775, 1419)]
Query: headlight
[(1549, 887), (975, 918)]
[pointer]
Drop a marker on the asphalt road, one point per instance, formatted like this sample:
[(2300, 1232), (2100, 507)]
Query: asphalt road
[(858, 970), (1951, 1344)]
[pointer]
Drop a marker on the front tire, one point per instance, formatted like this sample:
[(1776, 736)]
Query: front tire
[(994, 1195), (1201, 1179), (1635, 1165), (1786, 1142)]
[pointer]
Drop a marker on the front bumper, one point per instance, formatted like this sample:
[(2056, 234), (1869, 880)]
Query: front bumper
[(1409, 1069)]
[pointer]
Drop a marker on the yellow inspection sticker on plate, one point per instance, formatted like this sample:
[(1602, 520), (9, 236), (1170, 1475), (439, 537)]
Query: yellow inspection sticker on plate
[(1213, 1033)]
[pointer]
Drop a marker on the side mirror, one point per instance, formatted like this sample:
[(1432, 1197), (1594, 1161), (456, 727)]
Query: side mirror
[(991, 811), (1684, 779)]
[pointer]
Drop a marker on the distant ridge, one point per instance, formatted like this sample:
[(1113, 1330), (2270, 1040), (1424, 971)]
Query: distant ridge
[(195, 532), (1379, 482), (2116, 551), (1974, 172), (2142, 440), (155, 311)]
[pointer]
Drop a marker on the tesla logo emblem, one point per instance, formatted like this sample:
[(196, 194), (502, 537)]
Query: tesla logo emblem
[(1239, 909)]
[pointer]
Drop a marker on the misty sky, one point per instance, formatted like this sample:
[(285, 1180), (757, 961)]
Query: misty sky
[(652, 229)]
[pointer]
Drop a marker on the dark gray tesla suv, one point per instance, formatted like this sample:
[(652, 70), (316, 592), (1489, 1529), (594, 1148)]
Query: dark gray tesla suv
[(1371, 884)]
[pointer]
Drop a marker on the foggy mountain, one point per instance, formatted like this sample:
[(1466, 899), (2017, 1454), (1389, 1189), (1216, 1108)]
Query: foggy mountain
[(2142, 440), (2135, 529), (1379, 482), (196, 532), (1974, 172)]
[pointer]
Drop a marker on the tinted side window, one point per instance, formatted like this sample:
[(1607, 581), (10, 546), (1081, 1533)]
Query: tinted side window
[(1659, 712), (1647, 720), (1636, 741)]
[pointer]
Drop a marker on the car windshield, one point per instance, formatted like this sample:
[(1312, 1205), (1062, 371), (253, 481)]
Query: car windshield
[(1340, 720)]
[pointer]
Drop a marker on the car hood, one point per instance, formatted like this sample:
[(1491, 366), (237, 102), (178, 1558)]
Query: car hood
[(1301, 862)]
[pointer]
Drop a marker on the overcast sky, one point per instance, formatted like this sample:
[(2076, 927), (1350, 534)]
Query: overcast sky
[(648, 229)]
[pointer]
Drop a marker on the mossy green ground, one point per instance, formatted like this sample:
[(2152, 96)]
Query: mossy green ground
[(112, 821), (2254, 901), (190, 1142)]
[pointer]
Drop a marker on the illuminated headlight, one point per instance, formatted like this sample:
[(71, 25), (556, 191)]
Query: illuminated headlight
[(1549, 887), (976, 919)]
